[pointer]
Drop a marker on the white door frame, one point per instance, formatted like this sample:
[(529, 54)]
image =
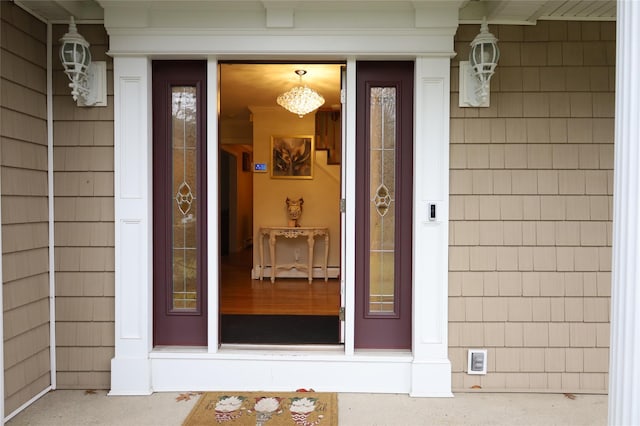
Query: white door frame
[(137, 367)]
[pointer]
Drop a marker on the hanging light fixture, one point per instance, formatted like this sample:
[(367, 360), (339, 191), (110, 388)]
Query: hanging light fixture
[(301, 99), (476, 73), (88, 79)]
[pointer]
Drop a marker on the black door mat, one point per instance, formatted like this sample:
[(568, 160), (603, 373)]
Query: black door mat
[(280, 329)]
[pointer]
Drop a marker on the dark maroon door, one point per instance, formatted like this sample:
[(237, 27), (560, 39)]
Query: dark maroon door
[(384, 173), (179, 203)]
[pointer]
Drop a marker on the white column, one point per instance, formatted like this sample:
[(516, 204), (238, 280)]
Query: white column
[(431, 369), (131, 368), (624, 370)]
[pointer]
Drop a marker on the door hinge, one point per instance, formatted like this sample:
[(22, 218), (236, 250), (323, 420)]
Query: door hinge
[(343, 205), (341, 315), (343, 95)]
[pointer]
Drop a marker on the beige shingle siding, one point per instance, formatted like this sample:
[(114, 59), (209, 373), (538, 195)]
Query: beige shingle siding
[(25, 239), (84, 233), (530, 232)]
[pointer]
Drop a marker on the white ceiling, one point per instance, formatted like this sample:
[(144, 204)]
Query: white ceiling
[(247, 85)]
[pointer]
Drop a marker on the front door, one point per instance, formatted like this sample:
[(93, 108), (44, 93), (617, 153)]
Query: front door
[(384, 173), (179, 203)]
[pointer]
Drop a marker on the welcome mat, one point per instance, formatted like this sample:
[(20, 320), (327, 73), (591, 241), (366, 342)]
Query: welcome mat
[(265, 409), (280, 329)]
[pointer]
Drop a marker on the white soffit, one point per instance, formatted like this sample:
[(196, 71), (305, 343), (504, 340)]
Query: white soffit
[(523, 12), (517, 12), (60, 10)]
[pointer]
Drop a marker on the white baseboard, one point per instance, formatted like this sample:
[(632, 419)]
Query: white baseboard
[(318, 273)]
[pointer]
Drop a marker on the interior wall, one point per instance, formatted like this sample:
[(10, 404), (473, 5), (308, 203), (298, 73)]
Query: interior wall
[(84, 228), (531, 210), (25, 239), (321, 194)]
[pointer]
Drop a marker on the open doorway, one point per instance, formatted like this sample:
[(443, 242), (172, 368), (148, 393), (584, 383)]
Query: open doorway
[(279, 280)]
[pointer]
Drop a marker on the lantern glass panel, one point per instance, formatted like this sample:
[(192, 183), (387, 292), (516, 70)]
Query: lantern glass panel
[(66, 53), (86, 58), (484, 54), (75, 55)]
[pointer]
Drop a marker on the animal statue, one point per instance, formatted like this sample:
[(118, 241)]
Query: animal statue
[(294, 211)]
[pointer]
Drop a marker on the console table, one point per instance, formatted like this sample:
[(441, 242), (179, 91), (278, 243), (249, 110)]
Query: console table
[(310, 232)]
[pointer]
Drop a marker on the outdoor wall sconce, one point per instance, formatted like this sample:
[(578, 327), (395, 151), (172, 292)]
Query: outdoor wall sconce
[(476, 73), (88, 79)]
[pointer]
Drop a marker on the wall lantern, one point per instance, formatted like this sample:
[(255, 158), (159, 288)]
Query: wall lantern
[(88, 79), (476, 73), (301, 99)]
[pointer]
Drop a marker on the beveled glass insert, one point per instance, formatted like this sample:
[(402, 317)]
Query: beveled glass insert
[(382, 200), (184, 197), (382, 177)]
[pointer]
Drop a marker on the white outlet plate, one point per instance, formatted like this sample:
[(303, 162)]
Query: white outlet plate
[(473, 364)]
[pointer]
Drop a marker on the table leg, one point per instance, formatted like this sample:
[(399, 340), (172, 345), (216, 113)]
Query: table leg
[(310, 241), (326, 256), (272, 254), (261, 248)]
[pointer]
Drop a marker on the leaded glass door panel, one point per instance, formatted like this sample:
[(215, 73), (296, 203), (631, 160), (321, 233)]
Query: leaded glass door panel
[(384, 170), (179, 96)]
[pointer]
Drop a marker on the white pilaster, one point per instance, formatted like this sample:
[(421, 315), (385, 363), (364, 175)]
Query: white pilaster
[(130, 368), (624, 371), (431, 372)]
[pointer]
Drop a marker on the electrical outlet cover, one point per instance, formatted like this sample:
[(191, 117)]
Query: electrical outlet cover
[(477, 361)]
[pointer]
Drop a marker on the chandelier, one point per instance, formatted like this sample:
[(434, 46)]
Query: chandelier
[(301, 99)]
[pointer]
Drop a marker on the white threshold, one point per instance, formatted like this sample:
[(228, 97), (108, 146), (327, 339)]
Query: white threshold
[(280, 368)]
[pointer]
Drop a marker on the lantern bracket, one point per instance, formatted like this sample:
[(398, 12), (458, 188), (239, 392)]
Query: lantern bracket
[(471, 88), (96, 85)]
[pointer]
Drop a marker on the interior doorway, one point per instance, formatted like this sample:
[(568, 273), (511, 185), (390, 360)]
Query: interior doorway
[(229, 232), (292, 303)]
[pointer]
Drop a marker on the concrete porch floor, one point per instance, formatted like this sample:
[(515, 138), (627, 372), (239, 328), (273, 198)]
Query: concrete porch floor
[(70, 408)]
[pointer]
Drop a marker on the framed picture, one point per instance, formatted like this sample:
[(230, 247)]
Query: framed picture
[(292, 157)]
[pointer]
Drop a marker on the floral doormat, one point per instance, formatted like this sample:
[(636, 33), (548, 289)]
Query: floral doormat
[(265, 408)]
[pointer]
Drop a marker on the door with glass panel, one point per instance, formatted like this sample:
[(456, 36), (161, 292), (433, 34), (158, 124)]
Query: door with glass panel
[(384, 172), (179, 204)]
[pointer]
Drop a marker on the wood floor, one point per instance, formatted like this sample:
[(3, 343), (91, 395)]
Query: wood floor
[(239, 294)]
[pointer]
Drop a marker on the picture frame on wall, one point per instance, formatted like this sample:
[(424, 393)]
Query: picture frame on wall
[(292, 157)]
